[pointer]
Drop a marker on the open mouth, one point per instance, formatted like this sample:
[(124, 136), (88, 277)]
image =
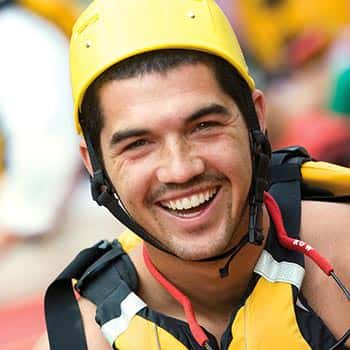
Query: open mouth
[(190, 206)]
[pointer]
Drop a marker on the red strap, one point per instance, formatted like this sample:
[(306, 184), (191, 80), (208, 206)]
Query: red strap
[(196, 330), (291, 243)]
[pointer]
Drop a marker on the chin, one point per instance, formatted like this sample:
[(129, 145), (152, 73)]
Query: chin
[(196, 252)]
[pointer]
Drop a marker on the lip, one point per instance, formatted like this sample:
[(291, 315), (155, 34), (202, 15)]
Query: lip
[(198, 220)]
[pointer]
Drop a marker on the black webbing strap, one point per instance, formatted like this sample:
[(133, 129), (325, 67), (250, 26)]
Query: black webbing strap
[(281, 156), (63, 319), (110, 287), (278, 173), (285, 184), (102, 277)]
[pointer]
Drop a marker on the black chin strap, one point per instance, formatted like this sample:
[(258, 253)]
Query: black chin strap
[(261, 158), (224, 271)]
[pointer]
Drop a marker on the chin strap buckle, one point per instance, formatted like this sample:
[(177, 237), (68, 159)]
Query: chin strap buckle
[(99, 185), (255, 232)]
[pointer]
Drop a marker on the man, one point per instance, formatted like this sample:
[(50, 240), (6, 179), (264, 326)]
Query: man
[(174, 140)]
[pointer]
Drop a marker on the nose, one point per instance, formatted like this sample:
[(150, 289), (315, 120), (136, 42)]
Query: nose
[(179, 164)]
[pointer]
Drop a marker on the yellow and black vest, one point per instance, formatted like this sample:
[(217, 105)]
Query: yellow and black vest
[(273, 314)]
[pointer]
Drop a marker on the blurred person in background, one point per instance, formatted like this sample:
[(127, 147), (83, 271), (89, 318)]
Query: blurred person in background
[(326, 136), (306, 66), (340, 64), (35, 109)]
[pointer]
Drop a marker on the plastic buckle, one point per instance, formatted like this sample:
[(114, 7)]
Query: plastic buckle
[(103, 244)]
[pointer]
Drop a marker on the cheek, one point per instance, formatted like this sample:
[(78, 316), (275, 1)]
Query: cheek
[(231, 156), (132, 182)]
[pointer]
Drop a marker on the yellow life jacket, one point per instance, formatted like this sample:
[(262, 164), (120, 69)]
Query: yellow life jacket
[(269, 318), (331, 177), (273, 314)]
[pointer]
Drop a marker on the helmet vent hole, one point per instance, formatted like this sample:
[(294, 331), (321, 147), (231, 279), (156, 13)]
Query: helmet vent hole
[(191, 14), (273, 3)]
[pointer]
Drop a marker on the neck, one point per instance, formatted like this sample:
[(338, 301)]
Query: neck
[(199, 281)]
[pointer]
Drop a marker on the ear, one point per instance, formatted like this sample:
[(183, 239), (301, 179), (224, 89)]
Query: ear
[(260, 107), (85, 156)]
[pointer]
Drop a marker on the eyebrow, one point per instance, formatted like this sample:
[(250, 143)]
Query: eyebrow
[(213, 108), (122, 135)]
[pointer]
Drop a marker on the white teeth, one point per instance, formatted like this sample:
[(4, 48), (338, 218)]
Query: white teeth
[(187, 203), (190, 202), (195, 201), (178, 205)]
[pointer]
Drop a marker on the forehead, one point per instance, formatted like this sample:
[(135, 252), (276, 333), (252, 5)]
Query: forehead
[(172, 94)]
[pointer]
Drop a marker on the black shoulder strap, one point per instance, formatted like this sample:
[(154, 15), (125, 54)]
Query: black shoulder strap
[(63, 319), (107, 284), (285, 184)]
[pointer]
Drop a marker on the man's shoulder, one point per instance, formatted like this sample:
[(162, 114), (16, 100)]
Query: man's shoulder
[(326, 224)]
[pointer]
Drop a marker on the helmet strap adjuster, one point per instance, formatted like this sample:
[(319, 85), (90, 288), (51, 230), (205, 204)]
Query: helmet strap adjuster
[(261, 151)]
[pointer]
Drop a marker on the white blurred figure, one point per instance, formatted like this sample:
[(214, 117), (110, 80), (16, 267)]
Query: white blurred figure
[(35, 112)]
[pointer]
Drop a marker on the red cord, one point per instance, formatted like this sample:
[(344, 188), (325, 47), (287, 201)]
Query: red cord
[(196, 330), (292, 243)]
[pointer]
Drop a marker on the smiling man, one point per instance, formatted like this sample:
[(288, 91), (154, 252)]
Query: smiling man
[(168, 160), (174, 140)]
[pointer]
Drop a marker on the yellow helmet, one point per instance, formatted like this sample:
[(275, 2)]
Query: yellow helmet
[(110, 31), (269, 26)]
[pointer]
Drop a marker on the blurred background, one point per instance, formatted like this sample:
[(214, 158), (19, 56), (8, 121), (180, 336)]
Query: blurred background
[(298, 52)]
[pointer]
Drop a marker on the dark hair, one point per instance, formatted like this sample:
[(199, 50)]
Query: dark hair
[(91, 118)]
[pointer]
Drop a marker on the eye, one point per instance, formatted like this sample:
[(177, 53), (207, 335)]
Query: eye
[(206, 125), (135, 145)]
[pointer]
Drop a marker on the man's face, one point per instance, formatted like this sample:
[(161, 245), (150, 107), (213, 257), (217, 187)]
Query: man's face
[(176, 148)]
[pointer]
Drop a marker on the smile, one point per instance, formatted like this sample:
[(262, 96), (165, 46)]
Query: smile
[(188, 204)]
